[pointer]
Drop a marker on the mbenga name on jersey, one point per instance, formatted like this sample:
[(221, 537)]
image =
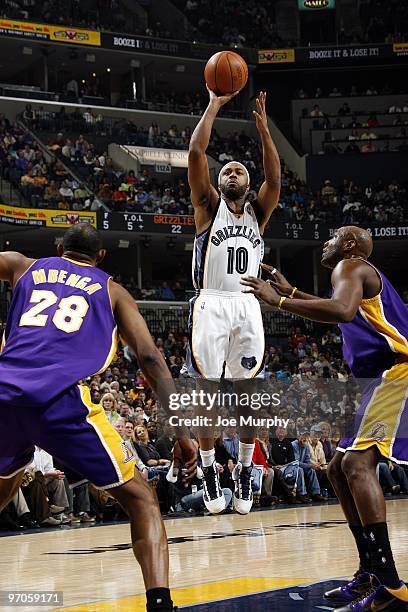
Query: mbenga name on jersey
[(234, 231), (85, 283)]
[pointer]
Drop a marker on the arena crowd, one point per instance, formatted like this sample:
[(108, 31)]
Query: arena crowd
[(317, 398)]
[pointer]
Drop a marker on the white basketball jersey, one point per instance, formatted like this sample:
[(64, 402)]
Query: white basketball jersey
[(230, 248)]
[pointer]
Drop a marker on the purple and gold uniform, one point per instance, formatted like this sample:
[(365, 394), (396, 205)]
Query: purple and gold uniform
[(375, 345), (60, 329)]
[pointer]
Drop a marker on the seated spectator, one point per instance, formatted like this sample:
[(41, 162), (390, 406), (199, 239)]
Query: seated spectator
[(344, 110), (261, 457), (165, 443), (369, 147), (109, 405), (372, 120), (231, 442), (325, 439), (164, 292), (371, 91), (335, 93), (35, 490), (146, 449), (307, 478), (392, 477), (315, 112)]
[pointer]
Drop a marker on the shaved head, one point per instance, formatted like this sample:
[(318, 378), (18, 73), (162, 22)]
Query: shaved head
[(363, 240), (347, 242)]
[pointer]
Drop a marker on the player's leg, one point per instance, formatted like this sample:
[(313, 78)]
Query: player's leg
[(361, 579), (381, 432), (78, 434), (16, 451), (359, 468), (209, 336), (244, 364), (213, 495), (149, 539), (242, 499)]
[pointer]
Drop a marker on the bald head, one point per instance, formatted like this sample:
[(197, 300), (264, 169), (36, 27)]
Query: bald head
[(348, 241), (362, 239)]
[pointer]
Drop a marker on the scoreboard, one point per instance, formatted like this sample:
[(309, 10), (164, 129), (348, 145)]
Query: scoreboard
[(146, 223)]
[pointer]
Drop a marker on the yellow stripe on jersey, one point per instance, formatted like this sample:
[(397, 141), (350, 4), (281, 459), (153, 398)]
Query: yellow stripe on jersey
[(119, 453), (112, 351), (373, 312)]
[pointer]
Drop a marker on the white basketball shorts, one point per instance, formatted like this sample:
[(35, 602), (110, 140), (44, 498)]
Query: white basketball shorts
[(225, 328)]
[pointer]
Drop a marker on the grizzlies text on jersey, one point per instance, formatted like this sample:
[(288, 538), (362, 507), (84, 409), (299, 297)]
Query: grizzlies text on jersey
[(230, 248)]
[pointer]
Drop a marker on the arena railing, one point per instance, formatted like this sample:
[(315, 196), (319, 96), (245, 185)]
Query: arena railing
[(162, 317)]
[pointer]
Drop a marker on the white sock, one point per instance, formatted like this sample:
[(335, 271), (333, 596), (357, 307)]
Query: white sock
[(245, 453), (207, 457)]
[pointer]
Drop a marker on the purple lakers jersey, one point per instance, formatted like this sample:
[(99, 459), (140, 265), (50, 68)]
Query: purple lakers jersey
[(60, 328), (378, 335)]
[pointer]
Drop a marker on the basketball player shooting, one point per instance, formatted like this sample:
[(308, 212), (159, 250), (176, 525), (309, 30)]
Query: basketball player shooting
[(62, 327), (374, 324), (226, 325)]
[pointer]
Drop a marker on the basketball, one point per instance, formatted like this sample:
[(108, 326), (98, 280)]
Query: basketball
[(226, 72)]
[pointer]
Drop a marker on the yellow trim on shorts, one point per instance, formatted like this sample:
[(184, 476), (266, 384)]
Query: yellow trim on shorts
[(115, 447), (382, 417)]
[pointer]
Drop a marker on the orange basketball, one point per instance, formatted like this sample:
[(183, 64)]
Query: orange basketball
[(226, 72)]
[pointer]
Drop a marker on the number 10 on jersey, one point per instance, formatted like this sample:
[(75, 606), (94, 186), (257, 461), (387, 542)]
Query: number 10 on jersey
[(237, 258)]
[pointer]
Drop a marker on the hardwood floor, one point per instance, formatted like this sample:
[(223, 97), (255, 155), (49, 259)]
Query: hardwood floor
[(210, 557)]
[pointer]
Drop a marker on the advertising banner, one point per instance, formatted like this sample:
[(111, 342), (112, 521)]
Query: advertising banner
[(42, 31), (316, 5), (44, 218), (276, 56)]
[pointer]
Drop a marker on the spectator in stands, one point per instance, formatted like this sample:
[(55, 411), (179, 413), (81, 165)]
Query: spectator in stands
[(146, 449), (335, 93), (165, 292), (109, 405), (231, 442), (306, 469), (261, 457), (344, 110), (165, 443), (371, 91), (316, 111)]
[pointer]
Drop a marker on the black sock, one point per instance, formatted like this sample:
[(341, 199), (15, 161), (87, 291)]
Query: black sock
[(382, 561), (159, 600), (362, 547)]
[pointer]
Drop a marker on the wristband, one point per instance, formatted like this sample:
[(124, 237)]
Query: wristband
[(292, 295), (281, 300)]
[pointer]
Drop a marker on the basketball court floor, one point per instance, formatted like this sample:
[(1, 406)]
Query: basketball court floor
[(280, 559)]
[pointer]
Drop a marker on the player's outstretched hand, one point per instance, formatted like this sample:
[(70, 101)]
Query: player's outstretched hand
[(261, 289), (260, 112), (220, 100), (278, 281), (185, 454)]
